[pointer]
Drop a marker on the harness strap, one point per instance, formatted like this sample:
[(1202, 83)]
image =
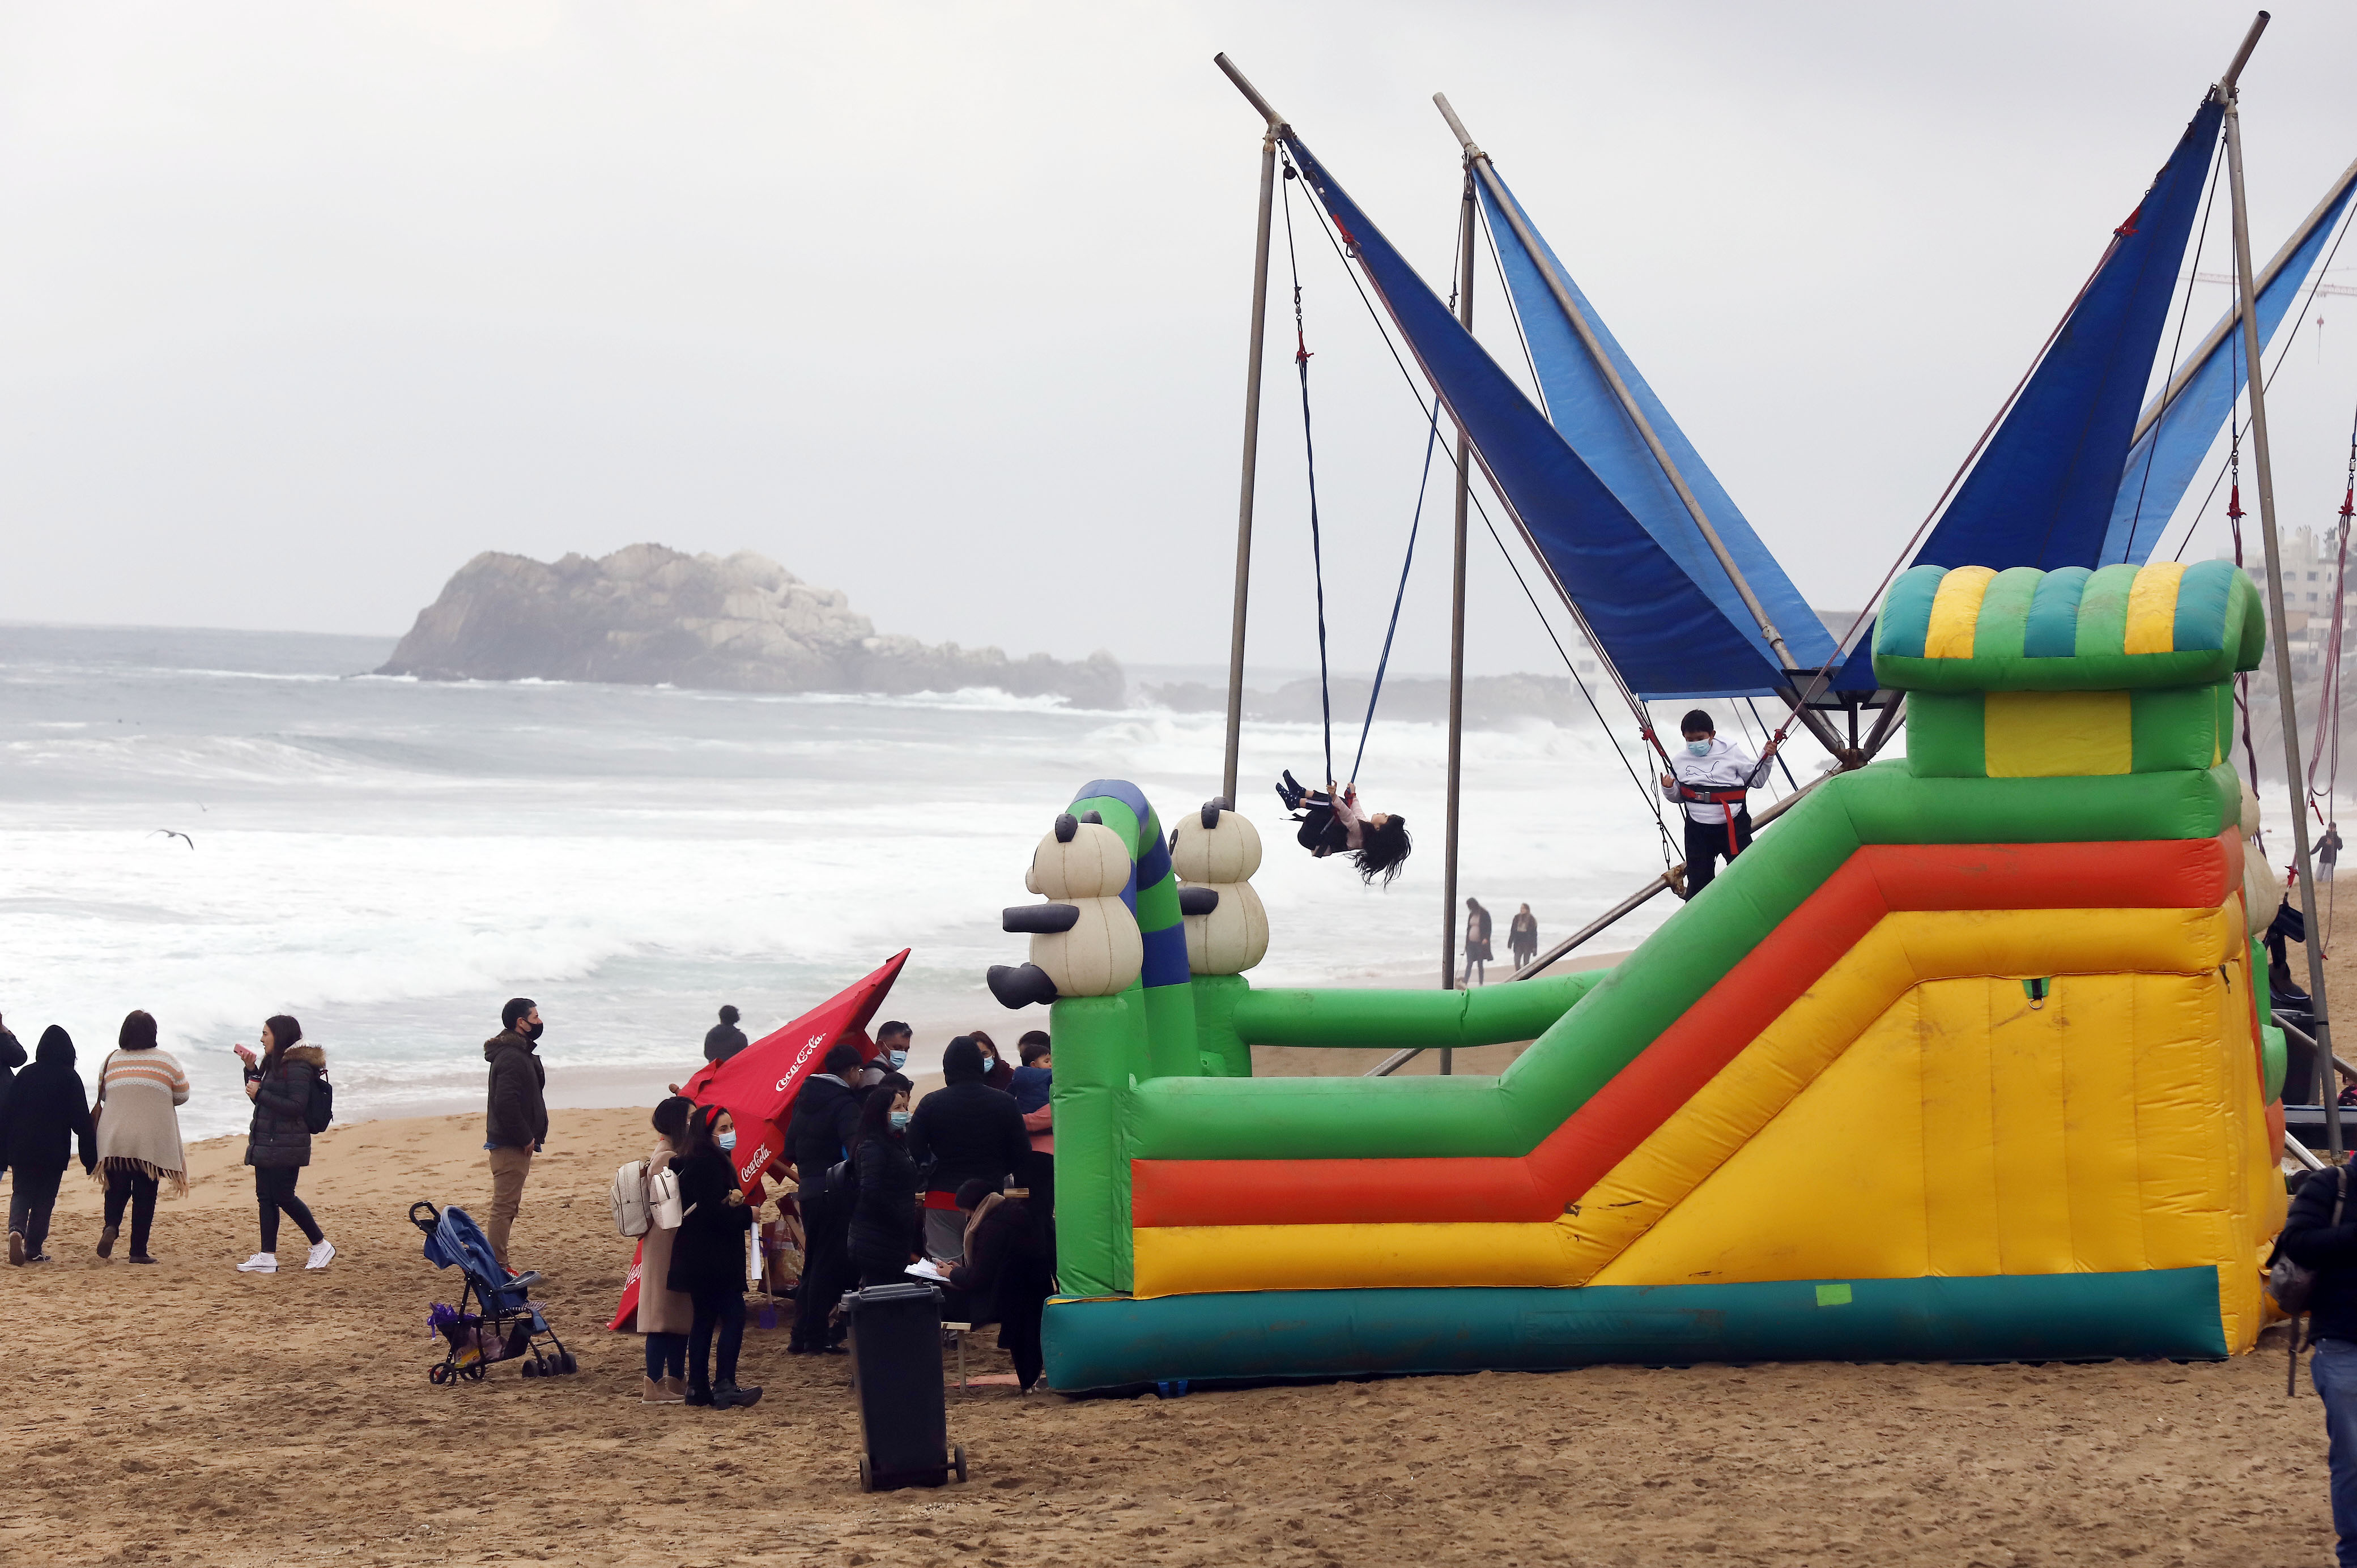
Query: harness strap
[(1734, 798)]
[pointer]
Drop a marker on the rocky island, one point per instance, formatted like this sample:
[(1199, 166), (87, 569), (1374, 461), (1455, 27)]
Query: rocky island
[(647, 614)]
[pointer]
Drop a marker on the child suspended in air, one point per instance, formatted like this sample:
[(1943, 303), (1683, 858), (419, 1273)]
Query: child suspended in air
[(1331, 824)]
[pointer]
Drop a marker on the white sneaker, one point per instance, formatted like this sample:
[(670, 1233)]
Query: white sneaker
[(260, 1263), (323, 1253)]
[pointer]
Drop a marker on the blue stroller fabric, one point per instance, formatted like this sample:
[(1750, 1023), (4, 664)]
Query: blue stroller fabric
[(458, 1242)]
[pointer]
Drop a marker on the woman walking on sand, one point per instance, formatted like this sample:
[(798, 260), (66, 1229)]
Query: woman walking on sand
[(140, 1090), (1523, 937), (664, 1315), (46, 1115), (279, 1144), (1477, 942)]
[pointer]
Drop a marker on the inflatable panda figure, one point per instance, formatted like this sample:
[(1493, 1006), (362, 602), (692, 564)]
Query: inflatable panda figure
[(2261, 893), (1084, 940), (1215, 853)]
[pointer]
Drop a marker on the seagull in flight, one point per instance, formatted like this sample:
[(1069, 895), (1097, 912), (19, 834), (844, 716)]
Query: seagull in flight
[(170, 833)]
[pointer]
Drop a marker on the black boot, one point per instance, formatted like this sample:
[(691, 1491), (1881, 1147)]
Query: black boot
[(700, 1393), (727, 1395)]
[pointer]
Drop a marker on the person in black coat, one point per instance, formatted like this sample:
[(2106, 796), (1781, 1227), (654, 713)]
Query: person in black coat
[(280, 1082), (707, 1258), (12, 1057), (818, 1136), (47, 1112), (723, 1039), (2311, 1240), (885, 1232), (1008, 1273), (959, 1132)]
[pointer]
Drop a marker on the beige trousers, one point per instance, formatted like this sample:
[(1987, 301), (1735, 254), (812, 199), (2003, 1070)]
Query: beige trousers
[(509, 1167)]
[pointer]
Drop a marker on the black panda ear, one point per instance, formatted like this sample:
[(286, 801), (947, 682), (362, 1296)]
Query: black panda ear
[(1211, 809), (1066, 827), (1095, 817)]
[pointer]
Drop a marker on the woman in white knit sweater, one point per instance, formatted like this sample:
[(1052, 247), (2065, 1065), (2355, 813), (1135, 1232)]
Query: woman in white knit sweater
[(140, 1091)]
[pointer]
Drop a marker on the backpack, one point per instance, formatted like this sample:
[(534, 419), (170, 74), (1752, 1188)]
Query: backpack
[(321, 1110), (2292, 1284), (633, 1213), (663, 1205)]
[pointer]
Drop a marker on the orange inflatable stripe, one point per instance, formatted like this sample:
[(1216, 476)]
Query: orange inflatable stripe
[(2186, 874)]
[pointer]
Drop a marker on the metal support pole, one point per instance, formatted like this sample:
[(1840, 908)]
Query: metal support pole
[(1466, 219), (1276, 123), (2246, 281)]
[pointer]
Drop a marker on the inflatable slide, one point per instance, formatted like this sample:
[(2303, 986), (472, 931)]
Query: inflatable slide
[(1963, 1059)]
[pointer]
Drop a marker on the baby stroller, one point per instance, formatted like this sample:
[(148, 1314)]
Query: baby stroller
[(495, 1319)]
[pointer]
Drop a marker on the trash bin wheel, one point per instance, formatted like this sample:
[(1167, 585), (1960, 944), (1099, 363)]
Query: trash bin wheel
[(957, 1461), (866, 1482)]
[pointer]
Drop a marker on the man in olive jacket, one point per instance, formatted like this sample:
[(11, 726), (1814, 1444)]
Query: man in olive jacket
[(515, 1121)]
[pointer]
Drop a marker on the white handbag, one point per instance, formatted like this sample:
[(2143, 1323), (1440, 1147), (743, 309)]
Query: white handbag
[(663, 1205)]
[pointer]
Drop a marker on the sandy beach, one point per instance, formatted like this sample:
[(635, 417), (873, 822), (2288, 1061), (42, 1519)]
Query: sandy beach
[(189, 1414)]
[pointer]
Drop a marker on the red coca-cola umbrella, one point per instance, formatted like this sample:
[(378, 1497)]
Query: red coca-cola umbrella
[(758, 1084)]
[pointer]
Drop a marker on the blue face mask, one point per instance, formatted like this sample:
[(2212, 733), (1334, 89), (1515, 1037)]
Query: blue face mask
[(726, 1140), (1699, 747), (896, 1059), (899, 1120)]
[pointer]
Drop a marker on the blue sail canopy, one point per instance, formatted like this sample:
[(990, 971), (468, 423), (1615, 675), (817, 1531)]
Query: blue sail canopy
[(2043, 492), (2163, 462), (1583, 407), (1665, 634)]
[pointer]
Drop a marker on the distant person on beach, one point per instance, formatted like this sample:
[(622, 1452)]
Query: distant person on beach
[(708, 1256), (960, 1132), (1033, 1084), (1477, 942), (665, 1317), (48, 1113), (1008, 1271), (818, 1136), (140, 1090), (885, 1232), (723, 1039), (1331, 824), (515, 1119), (995, 1071), (1708, 777), (2311, 1240), (1523, 937), (281, 1082), (891, 1058), (2327, 851)]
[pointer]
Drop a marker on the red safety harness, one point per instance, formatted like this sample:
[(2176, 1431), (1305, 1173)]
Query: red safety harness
[(1733, 800)]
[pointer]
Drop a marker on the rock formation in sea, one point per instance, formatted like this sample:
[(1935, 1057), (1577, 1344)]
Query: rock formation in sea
[(646, 615)]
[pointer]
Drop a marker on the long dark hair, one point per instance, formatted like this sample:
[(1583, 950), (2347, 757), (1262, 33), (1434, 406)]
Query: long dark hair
[(698, 1139), (1382, 850), (876, 1113), (284, 1032)]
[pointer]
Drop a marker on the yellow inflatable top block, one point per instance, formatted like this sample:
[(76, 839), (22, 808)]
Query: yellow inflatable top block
[(2057, 734)]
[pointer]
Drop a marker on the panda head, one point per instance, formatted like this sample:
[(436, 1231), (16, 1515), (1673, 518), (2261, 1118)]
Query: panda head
[(1079, 860), (1215, 845)]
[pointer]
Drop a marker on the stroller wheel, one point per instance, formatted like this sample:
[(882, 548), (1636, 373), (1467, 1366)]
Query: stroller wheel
[(438, 1373), (565, 1363), (473, 1371), (532, 1368)]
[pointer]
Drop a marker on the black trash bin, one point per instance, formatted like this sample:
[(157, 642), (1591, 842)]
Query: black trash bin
[(895, 1376)]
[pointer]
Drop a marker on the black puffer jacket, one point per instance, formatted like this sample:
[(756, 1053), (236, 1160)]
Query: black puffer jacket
[(707, 1251), (516, 1116), (885, 1227), (47, 1111), (821, 1130), (2312, 1240), (281, 1134), (968, 1129)]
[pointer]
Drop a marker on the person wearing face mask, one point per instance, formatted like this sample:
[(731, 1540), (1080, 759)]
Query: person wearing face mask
[(891, 1055), (885, 1230), (515, 1119), (1708, 777), (707, 1258), (996, 1071)]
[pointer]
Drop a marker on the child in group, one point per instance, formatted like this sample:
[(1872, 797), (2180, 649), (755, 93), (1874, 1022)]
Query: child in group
[(1331, 824)]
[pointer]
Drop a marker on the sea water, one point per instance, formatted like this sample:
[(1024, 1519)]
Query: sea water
[(389, 860)]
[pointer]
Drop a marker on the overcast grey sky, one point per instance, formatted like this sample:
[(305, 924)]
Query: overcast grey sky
[(302, 305)]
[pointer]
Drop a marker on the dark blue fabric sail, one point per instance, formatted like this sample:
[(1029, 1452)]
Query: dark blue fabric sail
[(1582, 405), (2041, 494), (1664, 633), (2161, 465)]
